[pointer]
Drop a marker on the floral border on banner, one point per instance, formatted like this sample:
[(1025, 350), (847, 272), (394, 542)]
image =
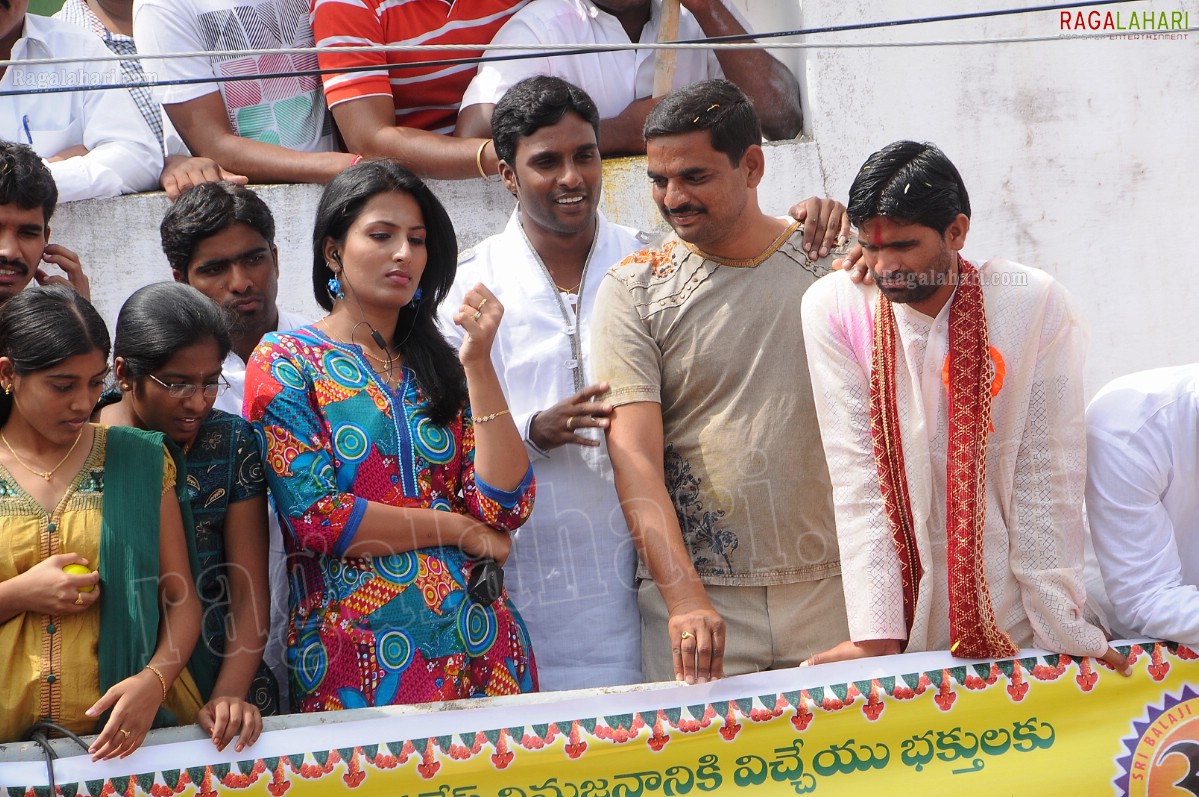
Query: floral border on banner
[(658, 728)]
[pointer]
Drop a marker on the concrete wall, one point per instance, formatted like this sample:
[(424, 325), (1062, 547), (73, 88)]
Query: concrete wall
[(118, 240), (1079, 156)]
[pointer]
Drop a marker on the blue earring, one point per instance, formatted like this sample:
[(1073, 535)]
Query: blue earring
[(334, 288), (416, 297)]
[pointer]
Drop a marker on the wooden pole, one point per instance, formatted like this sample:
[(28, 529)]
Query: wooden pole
[(664, 59)]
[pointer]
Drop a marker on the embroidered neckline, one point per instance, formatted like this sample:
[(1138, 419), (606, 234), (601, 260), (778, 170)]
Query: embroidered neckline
[(751, 262)]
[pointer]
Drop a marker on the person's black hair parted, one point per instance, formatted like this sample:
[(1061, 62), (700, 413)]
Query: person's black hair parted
[(533, 103), (158, 320), (425, 350), (25, 181), (909, 182), (717, 106), (204, 210), (41, 327)]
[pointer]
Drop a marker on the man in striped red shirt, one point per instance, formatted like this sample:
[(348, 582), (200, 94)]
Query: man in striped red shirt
[(407, 113)]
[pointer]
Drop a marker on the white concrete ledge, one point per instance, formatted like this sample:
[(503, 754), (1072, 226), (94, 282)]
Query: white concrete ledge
[(119, 243)]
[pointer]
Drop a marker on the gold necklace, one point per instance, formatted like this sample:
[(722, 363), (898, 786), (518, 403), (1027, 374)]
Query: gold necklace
[(47, 474)]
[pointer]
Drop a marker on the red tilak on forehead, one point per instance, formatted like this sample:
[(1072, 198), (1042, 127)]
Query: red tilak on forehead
[(871, 233)]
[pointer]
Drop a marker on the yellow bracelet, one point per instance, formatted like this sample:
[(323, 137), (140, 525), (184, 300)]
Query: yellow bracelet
[(479, 162), (162, 681), (491, 417)]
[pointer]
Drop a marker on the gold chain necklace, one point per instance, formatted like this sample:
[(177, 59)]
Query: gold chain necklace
[(46, 474)]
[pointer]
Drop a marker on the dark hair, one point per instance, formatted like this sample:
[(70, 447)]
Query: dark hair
[(42, 326), (909, 182), (160, 319), (717, 106), (534, 103), (204, 210), (25, 180), (432, 360)]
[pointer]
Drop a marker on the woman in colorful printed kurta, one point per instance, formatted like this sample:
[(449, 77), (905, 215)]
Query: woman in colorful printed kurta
[(387, 488), (72, 493), (170, 343)]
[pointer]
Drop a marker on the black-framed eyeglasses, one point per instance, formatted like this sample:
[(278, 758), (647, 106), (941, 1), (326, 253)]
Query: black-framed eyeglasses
[(182, 390)]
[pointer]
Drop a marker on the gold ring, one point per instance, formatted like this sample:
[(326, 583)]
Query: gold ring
[(79, 600), (686, 635), (478, 313), (122, 730), (482, 303), (570, 423)]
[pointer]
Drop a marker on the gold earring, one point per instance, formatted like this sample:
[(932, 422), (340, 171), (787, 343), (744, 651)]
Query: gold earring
[(8, 389)]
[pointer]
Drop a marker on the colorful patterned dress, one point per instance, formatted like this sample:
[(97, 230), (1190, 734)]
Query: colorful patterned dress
[(382, 630)]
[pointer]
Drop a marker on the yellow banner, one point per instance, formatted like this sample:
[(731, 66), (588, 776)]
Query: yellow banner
[(920, 723)]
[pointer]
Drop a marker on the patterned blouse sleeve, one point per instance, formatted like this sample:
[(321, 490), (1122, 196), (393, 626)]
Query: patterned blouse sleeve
[(295, 441), (506, 510), (248, 479)]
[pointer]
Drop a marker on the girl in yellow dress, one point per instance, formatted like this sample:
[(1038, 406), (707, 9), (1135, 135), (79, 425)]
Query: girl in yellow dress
[(101, 649)]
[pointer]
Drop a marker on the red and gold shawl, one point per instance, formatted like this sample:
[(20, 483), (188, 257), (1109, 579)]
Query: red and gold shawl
[(972, 627)]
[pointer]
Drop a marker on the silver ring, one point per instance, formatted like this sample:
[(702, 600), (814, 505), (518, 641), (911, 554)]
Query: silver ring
[(478, 314)]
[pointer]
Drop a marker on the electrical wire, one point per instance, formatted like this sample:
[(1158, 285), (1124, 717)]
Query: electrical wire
[(527, 51)]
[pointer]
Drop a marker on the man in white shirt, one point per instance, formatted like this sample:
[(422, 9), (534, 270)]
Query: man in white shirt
[(95, 141), (950, 405), (1142, 501), (571, 569), (621, 82)]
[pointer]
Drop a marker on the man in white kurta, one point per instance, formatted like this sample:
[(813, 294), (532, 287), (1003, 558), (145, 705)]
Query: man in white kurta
[(1032, 534), (571, 569), (1142, 501)]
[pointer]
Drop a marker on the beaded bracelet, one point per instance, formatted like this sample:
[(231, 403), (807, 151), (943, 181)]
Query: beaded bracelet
[(491, 417), (162, 681)]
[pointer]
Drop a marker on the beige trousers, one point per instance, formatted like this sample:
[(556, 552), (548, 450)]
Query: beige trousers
[(766, 628)]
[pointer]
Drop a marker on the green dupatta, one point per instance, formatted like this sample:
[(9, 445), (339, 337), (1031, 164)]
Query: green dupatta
[(129, 559)]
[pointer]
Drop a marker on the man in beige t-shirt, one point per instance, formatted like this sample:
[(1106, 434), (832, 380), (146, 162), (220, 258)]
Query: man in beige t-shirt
[(714, 440)]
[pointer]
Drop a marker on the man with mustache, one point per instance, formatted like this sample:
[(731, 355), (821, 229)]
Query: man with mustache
[(950, 399), (28, 196), (713, 438), (572, 568)]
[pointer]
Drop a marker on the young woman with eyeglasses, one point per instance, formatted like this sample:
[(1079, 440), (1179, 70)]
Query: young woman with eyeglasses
[(170, 342)]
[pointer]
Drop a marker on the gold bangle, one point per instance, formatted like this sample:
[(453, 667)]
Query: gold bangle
[(162, 681), (479, 162), (491, 417)]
